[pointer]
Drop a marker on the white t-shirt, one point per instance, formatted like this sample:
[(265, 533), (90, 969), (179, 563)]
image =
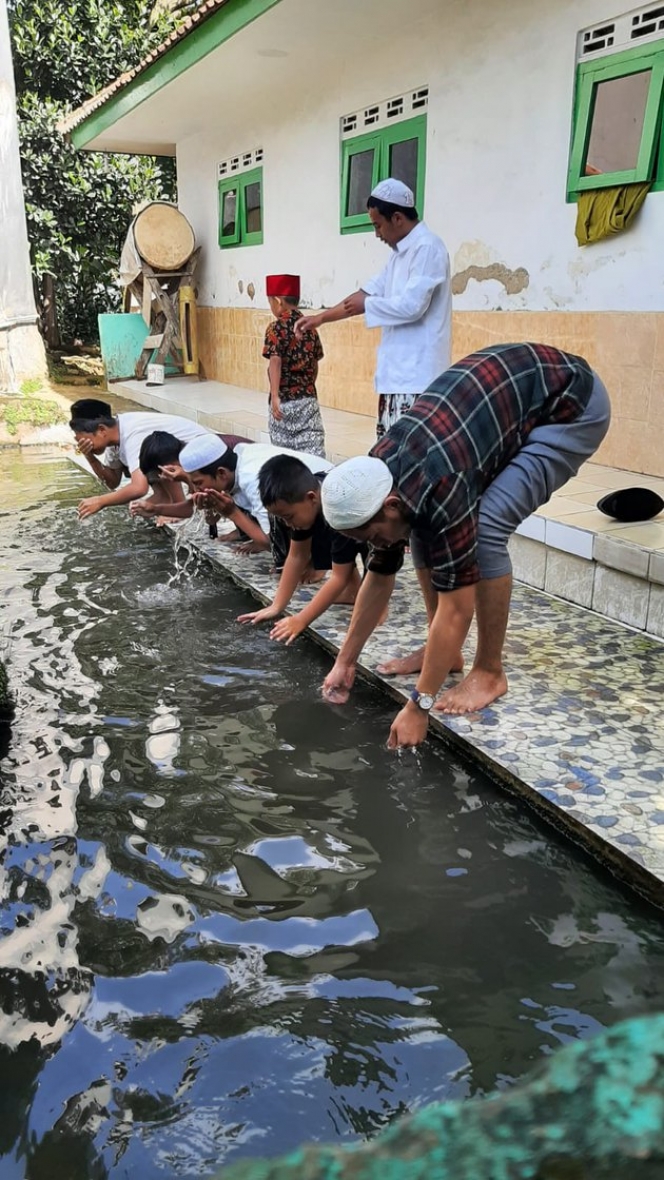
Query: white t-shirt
[(134, 428), (411, 300), (250, 459)]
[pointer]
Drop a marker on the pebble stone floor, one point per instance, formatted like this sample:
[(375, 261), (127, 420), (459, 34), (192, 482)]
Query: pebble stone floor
[(579, 733)]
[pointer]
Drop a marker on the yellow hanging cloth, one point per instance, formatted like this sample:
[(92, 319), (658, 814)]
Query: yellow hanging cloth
[(605, 211)]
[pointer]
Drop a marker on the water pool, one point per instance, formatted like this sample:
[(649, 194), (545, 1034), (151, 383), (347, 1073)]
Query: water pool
[(233, 921)]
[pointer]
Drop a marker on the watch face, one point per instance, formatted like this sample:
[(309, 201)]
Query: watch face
[(425, 701)]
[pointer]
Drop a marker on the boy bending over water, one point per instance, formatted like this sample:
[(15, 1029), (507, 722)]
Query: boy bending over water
[(291, 492)]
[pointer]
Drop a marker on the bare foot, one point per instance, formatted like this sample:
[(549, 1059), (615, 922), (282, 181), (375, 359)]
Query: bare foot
[(312, 577), (477, 690), (346, 598), (407, 665), (404, 666)]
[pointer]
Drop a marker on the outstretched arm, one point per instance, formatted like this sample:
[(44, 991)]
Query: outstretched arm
[(341, 579), (352, 305), (370, 604), (296, 563), (134, 490), (454, 613)]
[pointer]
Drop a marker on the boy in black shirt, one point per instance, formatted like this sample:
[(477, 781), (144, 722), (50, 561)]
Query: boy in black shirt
[(291, 493)]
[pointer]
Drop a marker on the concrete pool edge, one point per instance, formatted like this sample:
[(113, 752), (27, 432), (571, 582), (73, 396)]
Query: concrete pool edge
[(251, 574)]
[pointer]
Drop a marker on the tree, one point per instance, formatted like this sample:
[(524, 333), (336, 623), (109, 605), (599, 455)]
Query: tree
[(79, 204)]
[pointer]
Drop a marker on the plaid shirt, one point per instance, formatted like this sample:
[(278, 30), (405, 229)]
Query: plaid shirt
[(461, 433)]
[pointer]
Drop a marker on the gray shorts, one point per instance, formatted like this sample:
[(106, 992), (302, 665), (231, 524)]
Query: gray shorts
[(550, 456)]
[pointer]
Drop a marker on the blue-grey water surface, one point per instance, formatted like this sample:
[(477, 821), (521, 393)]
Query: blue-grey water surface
[(231, 920)]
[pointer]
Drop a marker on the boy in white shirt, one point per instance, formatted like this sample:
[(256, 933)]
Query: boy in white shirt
[(118, 440)]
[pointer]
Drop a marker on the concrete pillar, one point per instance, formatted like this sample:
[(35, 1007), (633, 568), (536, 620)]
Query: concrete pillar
[(21, 346)]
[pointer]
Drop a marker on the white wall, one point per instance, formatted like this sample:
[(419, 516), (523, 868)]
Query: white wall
[(500, 74)]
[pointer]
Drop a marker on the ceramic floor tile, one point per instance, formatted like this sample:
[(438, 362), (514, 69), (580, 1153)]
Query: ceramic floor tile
[(648, 535), (561, 506), (594, 521)]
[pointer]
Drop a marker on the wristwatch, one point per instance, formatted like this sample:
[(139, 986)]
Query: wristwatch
[(423, 699)]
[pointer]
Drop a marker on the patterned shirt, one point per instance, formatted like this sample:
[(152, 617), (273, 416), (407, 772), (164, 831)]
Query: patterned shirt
[(299, 358), (461, 433)]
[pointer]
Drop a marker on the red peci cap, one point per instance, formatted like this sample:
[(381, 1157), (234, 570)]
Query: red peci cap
[(283, 285)]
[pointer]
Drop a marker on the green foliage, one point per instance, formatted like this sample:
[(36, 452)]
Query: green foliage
[(79, 204), (30, 386), (30, 411)]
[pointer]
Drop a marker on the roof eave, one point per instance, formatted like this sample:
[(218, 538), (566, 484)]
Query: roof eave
[(220, 26)]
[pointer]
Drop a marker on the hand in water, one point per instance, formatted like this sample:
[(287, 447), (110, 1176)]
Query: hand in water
[(338, 683), (287, 630), (89, 507), (409, 728), (258, 616)]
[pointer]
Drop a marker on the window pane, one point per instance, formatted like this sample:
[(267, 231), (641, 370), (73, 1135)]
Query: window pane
[(403, 162), (252, 197), (617, 124), (228, 212), (360, 177)]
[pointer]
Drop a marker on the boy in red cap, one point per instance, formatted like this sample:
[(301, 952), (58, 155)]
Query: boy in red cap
[(294, 417)]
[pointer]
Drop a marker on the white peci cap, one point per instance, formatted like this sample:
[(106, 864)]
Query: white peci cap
[(394, 191), (202, 451), (353, 492)]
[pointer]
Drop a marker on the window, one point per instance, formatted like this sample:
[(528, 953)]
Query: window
[(618, 132), (241, 209), (390, 144)]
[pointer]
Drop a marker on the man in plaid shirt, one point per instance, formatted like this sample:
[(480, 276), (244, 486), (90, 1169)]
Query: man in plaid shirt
[(483, 448)]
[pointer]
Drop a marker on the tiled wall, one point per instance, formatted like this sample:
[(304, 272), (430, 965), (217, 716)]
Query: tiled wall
[(626, 348), (634, 599), (231, 343)]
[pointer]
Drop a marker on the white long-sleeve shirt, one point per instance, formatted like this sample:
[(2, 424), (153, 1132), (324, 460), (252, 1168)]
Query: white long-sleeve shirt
[(411, 300)]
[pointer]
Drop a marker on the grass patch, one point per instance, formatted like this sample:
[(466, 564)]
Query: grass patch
[(30, 411), (31, 386)]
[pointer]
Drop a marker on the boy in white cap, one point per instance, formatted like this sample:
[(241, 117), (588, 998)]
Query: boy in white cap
[(227, 482), (410, 300), (482, 449)]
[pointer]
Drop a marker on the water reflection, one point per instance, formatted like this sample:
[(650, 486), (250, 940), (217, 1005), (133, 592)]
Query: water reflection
[(230, 917)]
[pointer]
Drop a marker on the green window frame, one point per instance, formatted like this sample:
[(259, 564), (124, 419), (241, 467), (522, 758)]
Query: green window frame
[(243, 185), (380, 142), (650, 160)]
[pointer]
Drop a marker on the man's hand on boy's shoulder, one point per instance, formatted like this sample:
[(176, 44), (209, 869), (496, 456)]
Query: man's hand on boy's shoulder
[(306, 323)]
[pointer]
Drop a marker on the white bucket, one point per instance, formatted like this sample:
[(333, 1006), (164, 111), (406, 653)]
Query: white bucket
[(155, 375)]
